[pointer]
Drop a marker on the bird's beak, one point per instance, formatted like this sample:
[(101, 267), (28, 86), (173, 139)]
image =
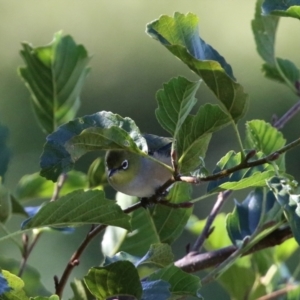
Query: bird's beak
[(111, 172)]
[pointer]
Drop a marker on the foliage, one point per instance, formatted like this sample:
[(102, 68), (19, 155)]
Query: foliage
[(139, 263)]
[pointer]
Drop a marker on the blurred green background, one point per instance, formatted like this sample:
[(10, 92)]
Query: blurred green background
[(128, 67)]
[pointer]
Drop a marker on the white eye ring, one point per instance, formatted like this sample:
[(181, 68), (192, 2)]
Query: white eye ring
[(124, 164)]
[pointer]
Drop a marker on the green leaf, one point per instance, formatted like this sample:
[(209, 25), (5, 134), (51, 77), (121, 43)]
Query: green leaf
[(96, 173), (293, 294), (31, 277), (79, 290), (158, 256), (288, 8), (54, 75), (182, 284), (175, 102), (251, 215), (156, 290), (53, 297), (34, 186), (16, 284), (239, 278), (78, 208), (179, 34), (263, 137), (264, 29), (195, 135), (117, 279), (283, 191), (288, 68), (170, 221), (106, 131), (251, 177)]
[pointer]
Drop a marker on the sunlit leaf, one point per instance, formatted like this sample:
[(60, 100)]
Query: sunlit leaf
[(54, 75), (182, 284), (16, 285), (31, 277), (180, 35), (78, 208), (195, 134), (263, 137), (79, 290), (175, 102), (283, 191), (104, 130), (246, 177), (117, 279), (170, 221), (34, 186)]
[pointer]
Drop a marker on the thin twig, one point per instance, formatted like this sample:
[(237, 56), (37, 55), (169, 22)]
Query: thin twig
[(274, 295), (222, 197), (27, 249), (61, 180), (280, 123), (75, 258)]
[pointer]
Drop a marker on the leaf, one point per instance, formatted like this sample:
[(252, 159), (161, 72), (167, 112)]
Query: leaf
[(31, 277), (179, 34), (78, 208), (263, 137), (5, 152), (251, 177), (289, 8), (182, 284), (156, 290), (251, 215), (96, 173), (16, 285), (79, 290), (54, 75), (195, 134), (283, 191), (158, 256), (117, 279), (239, 278), (4, 287), (34, 186), (106, 131), (53, 297), (175, 102), (288, 69), (170, 221), (264, 27)]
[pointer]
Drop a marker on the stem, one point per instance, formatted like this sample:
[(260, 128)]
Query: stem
[(276, 294), (74, 260), (223, 196), (239, 139), (61, 180), (27, 251), (279, 124)]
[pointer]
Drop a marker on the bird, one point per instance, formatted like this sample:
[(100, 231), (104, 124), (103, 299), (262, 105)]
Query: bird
[(136, 175)]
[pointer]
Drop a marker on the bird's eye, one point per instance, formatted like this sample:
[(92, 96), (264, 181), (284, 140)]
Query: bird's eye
[(125, 164)]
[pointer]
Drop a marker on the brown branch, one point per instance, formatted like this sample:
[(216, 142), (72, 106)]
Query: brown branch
[(223, 196), (195, 261), (279, 124), (274, 295)]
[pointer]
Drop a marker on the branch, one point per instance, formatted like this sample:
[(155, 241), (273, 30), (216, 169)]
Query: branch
[(223, 196), (279, 124), (195, 261)]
